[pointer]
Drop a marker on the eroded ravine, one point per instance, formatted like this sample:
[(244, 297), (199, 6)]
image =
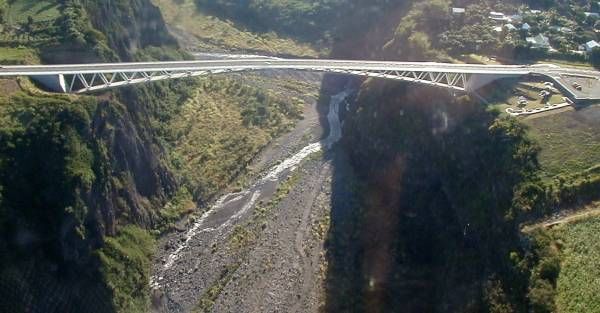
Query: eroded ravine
[(189, 262)]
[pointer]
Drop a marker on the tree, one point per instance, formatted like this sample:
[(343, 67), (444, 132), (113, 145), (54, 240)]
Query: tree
[(595, 57)]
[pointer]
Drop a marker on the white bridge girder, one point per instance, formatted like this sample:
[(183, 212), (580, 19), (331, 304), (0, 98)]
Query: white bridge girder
[(86, 82)]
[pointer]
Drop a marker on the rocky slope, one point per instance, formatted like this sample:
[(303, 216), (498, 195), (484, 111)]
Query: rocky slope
[(77, 169)]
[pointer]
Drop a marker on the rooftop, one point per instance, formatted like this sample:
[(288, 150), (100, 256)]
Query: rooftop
[(539, 41)]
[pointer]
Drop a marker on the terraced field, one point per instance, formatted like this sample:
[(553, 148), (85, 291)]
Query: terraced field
[(39, 10)]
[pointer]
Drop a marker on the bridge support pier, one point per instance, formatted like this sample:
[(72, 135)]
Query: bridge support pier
[(55, 83)]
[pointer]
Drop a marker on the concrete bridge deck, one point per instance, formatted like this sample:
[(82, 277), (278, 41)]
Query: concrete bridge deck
[(77, 78)]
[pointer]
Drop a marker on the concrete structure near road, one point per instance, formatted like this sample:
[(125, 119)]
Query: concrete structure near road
[(589, 46), (79, 78), (458, 11)]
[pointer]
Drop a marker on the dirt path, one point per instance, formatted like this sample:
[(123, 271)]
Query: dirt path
[(564, 217)]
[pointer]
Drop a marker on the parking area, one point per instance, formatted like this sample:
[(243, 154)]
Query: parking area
[(581, 87), (532, 95)]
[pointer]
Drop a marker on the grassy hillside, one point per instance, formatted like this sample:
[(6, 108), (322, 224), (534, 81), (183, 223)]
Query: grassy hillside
[(88, 178), (438, 179), (220, 129), (569, 141), (443, 186), (211, 33), (73, 170), (564, 264), (39, 10)]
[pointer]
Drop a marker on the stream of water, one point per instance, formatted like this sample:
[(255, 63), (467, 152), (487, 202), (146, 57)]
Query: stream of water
[(231, 207)]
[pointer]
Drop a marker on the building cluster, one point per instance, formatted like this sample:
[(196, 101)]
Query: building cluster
[(514, 23)]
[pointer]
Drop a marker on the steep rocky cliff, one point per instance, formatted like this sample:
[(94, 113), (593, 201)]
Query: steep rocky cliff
[(130, 25), (433, 227), (76, 169)]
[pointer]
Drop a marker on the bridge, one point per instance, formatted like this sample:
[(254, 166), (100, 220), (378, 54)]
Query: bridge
[(80, 78)]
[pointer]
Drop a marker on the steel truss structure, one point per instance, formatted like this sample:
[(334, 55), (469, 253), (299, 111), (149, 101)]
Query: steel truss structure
[(86, 82)]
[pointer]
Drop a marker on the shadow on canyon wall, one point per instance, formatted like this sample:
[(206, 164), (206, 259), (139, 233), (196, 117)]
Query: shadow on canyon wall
[(422, 217)]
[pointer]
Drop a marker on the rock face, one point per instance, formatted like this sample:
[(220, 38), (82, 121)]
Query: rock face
[(129, 25), (433, 225), (139, 180), (73, 170)]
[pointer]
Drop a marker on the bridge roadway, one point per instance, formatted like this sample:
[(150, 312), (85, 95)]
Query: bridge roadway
[(463, 77)]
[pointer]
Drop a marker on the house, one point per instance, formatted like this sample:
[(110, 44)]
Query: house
[(510, 27), (535, 11), (458, 11), (591, 14), (560, 29), (540, 41), (498, 16), (566, 30), (589, 46), (498, 29), (525, 27)]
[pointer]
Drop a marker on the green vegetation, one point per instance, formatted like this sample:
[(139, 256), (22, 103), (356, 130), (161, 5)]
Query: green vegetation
[(19, 55), (75, 170), (246, 118), (18, 12), (126, 260), (181, 204), (211, 32), (595, 57), (294, 17), (569, 141), (318, 22), (207, 300), (429, 31), (577, 286), (430, 194), (45, 135), (124, 23), (47, 166), (563, 266), (414, 38)]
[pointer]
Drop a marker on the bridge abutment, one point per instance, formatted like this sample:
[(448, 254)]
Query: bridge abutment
[(477, 81), (55, 83)]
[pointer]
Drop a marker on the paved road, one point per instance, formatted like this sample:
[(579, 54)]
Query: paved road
[(563, 76), (289, 64)]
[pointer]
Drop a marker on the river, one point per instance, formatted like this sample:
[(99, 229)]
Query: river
[(185, 254)]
